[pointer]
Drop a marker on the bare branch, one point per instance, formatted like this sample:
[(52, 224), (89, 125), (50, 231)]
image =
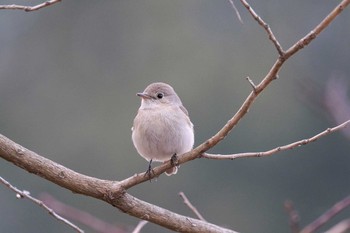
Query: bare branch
[(28, 8), (231, 123), (293, 216), (189, 205), (251, 83), (318, 29), (139, 226), (80, 216), (280, 148), (265, 26), (111, 192), (341, 227), (236, 10), (26, 194), (324, 218), (114, 192)]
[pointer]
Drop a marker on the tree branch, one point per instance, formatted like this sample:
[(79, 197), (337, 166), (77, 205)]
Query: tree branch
[(341, 227), (265, 26), (111, 192), (192, 207), (114, 192), (139, 226), (280, 148), (80, 216), (293, 217), (318, 29), (26, 194), (324, 218), (28, 8)]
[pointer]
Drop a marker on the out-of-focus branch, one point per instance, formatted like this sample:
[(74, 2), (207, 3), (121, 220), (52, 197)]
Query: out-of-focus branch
[(280, 148), (341, 227), (80, 216), (139, 226), (26, 194), (324, 218), (293, 216), (28, 8), (336, 99), (236, 10)]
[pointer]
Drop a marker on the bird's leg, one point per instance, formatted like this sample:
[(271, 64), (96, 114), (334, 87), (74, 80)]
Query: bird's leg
[(149, 170), (174, 160)]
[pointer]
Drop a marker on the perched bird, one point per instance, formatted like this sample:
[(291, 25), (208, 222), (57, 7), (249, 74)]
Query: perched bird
[(162, 128)]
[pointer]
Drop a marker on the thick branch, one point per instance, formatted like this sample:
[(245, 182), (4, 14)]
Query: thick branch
[(114, 192), (108, 191)]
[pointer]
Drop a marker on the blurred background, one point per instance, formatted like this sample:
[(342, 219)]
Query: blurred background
[(68, 78)]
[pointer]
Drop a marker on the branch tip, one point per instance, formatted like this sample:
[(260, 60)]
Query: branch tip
[(251, 83)]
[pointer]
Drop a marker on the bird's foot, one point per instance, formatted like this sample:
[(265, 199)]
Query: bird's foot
[(149, 171)]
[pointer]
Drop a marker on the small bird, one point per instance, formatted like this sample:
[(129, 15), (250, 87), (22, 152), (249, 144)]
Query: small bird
[(162, 128)]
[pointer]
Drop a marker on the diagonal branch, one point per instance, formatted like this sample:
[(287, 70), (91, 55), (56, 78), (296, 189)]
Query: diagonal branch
[(293, 216), (139, 226), (111, 192), (29, 8), (341, 227), (318, 29), (26, 194), (265, 26), (80, 216), (280, 148), (192, 207), (324, 218), (114, 192)]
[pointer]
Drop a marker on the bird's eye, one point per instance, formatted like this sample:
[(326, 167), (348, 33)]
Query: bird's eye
[(160, 95)]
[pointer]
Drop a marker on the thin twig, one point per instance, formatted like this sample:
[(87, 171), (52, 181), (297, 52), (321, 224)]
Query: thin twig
[(324, 218), (236, 10), (26, 194), (79, 216), (251, 83), (189, 205), (277, 149), (265, 26), (28, 8), (293, 216), (139, 226)]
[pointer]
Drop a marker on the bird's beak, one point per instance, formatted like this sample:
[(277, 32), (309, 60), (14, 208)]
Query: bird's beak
[(144, 95)]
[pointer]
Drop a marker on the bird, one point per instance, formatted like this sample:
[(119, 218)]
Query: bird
[(162, 128)]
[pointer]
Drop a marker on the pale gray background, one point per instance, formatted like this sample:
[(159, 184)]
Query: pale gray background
[(68, 78)]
